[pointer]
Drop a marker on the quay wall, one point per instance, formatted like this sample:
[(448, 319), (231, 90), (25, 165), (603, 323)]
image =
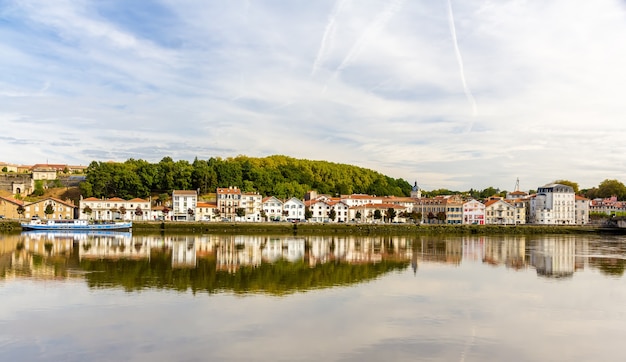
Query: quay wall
[(150, 227)]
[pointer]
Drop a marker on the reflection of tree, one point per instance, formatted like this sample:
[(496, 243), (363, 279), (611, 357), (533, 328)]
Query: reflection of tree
[(277, 278), (609, 266)]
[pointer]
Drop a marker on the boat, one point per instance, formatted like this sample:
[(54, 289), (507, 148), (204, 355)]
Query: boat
[(76, 225)]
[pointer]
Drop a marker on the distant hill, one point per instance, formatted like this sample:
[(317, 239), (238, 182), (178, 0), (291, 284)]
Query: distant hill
[(278, 175)]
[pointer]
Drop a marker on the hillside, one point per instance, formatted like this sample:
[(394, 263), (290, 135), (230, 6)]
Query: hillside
[(279, 176)]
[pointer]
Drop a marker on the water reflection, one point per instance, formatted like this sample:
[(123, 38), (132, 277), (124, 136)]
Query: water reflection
[(283, 264)]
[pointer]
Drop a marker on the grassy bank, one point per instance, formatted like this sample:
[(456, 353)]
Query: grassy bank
[(357, 229), (332, 228)]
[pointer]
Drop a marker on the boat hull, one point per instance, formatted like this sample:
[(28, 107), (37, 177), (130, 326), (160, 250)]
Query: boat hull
[(126, 226)]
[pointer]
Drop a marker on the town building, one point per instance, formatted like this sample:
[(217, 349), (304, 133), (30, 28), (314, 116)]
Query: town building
[(500, 212), (273, 208), (252, 203), (105, 209), (9, 207), (184, 205), (582, 210), (554, 204), (228, 201), (474, 212), (293, 209), (50, 208)]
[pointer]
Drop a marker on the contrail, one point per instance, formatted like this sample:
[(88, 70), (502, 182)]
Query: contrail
[(378, 24), (468, 92), (328, 35)]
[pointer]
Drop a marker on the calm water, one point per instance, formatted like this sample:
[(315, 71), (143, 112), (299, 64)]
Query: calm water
[(284, 298)]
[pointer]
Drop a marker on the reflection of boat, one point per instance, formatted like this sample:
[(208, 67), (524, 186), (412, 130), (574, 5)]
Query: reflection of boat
[(74, 234), (75, 225)]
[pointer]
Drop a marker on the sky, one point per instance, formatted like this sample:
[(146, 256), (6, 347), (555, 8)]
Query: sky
[(451, 94)]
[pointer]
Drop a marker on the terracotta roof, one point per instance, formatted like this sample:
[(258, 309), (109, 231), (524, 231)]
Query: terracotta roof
[(184, 192), (12, 200), (229, 190), (136, 199)]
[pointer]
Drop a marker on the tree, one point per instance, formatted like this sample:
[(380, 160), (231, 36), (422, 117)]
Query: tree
[(87, 210), (308, 213), (430, 216), (240, 211), (165, 211), (5, 169), (190, 212), (608, 188), (390, 214), (122, 212), (441, 216), (138, 211), (358, 215), (574, 185), (49, 210), (39, 189), (332, 214), (378, 215), (21, 210)]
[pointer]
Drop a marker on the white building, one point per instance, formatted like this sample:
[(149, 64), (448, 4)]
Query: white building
[(294, 209), (499, 212), (273, 208), (554, 204), (474, 212), (228, 201), (252, 203), (582, 210), (184, 205), (319, 209), (114, 209)]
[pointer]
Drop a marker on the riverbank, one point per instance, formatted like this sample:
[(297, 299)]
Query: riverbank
[(339, 228), (358, 229)]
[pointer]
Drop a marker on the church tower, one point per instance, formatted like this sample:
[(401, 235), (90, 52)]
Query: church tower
[(416, 193)]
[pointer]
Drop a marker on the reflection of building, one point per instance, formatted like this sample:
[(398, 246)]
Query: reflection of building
[(507, 250), (554, 256)]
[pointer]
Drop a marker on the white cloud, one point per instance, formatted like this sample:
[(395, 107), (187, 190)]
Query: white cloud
[(374, 84)]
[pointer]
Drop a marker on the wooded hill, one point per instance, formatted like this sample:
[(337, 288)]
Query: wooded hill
[(279, 176)]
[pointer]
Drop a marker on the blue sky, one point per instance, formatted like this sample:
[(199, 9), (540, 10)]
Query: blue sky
[(452, 94)]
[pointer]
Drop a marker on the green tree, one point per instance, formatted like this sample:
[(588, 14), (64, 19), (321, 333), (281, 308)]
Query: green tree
[(39, 189), (87, 210), (332, 214), (378, 215), (358, 215), (240, 211), (308, 213), (441, 216), (390, 214), (608, 188), (49, 210), (21, 210)]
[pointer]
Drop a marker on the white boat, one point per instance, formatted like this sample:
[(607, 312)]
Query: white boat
[(76, 225)]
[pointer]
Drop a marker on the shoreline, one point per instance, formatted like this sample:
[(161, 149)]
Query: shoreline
[(345, 229)]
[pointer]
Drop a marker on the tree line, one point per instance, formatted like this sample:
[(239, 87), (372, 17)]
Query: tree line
[(279, 176)]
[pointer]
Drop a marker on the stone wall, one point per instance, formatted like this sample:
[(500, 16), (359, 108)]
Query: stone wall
[(13, 181)]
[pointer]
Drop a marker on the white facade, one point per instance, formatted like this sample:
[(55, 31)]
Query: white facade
[(499, 212), (582, 210), (253, 204), (294, 209), (474, 212), (554, 204), (319, 211), (114, 209), (184, 205), (273, 208)]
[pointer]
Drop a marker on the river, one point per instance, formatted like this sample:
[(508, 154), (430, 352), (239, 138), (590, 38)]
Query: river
[(123, 297)]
